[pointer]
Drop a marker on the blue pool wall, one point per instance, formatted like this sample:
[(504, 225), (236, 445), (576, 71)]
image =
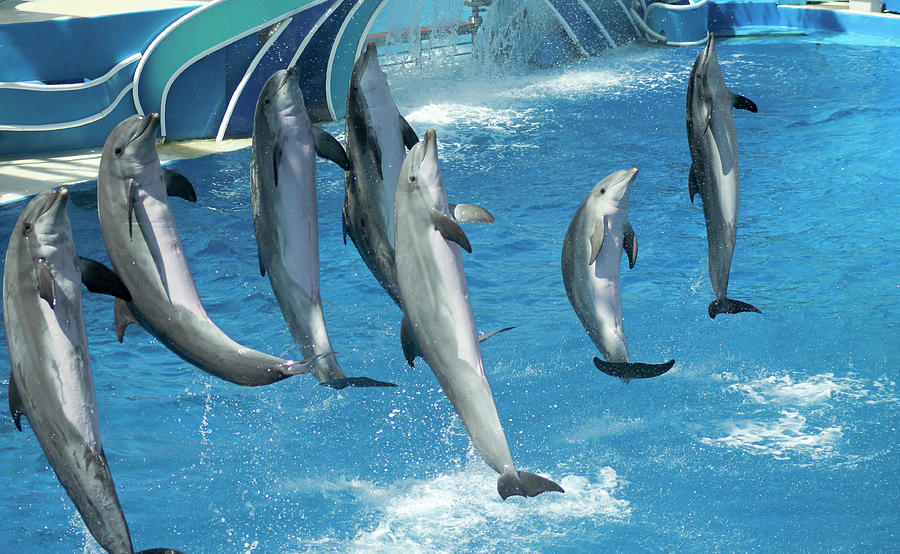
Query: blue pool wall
[(725, 17)]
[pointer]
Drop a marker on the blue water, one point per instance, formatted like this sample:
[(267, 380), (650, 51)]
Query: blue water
[(773, 432)]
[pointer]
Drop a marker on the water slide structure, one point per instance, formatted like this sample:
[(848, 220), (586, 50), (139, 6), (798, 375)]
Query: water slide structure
[(201, 68)]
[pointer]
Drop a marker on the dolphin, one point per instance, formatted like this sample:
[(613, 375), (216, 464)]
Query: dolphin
[(438, 314), (591, 256), (146, 251), (283, 194), (377, 139), (715, 172), (51, 381)]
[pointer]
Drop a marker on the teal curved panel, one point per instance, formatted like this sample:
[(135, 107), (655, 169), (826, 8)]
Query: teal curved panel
[(30, 106), (346, 49), (196, 35)]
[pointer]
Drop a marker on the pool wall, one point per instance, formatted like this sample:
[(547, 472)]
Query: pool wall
[(728, 16)]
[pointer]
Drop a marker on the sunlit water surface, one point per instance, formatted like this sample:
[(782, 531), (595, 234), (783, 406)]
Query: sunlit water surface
[(773, 432)]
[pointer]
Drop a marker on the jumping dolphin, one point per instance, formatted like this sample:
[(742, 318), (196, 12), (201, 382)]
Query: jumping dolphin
[(283, 193), (377, 138), (591, 256), (51, 381), (715, 172), (438, 314), (149, 257)]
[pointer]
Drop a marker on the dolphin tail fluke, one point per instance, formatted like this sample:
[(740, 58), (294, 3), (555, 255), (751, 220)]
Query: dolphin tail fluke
[(160, 551), (729, 306), (628, 371), (522, 483), (355, 382)]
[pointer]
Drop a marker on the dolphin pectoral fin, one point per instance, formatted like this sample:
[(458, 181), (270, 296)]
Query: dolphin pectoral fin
[(123, 317), (101, 279), (410, 138), (355, 382), (276, 159), (729, 306), (490, 334), (597, 239), (46, 284), (178, 185), (627, 371), (375, 149), (743, 103), (466, 213), (630, 245), (329, 148), (693, 182), (522, 483), (449, 229), (16, 407), (408, 341)]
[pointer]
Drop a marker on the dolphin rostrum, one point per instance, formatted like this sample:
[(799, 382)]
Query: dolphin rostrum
[(377, 139), (283, 193), (591, 256), (146, 251), (715, 172), (438, 314), (51, 381)]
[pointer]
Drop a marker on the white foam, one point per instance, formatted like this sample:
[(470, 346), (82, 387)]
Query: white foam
[(789, 435), (814, 390), (502, 120), (445, 512)]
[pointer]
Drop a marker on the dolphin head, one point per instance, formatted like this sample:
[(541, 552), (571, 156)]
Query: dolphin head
[(281, 94), (44, 224), (131, 146), (421, 171), (367, 78), (612, 193)]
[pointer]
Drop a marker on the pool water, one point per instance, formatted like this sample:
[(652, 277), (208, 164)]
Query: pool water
[(773, 432)]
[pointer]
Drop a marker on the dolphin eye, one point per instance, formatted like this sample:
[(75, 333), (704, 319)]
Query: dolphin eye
[(412, 178), (28, 227), (118, 151), (602, 191)]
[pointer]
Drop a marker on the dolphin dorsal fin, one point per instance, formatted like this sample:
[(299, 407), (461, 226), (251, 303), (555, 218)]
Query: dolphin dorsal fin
[(178, 185), (629, 243), (16, 407), (743, 103), (329, 148), (101, 279), (410, 138), (449, 229), (46, 283), (123, 318), (597, 237), (466, 213)]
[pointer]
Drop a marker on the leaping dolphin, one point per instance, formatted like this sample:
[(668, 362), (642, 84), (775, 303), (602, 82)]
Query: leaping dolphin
[(715, 172), (377, 139), (283, 194), (51, 381), (438, 314), (591, 257), (146, 251)]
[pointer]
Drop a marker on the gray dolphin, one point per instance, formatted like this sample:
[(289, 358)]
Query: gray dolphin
[(149, 257), (438, 314), (377, 138), (51, 381), (283, 193), (591, 256), (715, 172)]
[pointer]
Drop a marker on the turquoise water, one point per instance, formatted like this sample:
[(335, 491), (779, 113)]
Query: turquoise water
[(773, 432)]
